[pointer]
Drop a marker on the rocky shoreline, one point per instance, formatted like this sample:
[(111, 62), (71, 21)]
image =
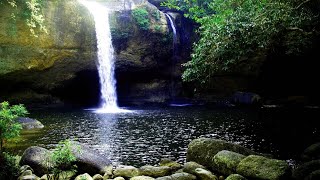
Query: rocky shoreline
[(207, 159)]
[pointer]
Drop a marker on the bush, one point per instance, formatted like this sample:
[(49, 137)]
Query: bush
[(140, 15), (9, 127), (9, 168), (62, 160)]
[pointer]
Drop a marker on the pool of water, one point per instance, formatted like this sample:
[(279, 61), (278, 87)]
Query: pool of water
[(144, 136)]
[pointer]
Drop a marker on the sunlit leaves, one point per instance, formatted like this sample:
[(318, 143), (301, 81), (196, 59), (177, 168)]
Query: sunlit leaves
[(232, 32)]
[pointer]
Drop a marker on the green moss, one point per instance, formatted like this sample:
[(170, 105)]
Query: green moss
[(141, 16), (156, 14)]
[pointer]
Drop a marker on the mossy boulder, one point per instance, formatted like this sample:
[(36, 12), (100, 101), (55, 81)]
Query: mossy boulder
[(170, 163), (183, 176), (190, 167), (204, 174), (126, 171), (259, 167), (85, 176), (203, 150), (155, 171), (227, 161), (235, 177), (312, 152), (305, 169)]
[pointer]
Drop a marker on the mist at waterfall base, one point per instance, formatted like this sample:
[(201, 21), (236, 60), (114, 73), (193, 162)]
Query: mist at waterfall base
[(108, 98)]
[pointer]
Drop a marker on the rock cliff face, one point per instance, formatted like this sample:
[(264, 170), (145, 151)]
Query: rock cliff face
[(61, 65)]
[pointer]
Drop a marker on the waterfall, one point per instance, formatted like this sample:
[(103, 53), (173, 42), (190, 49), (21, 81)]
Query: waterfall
[(105, 52), (175, 38)]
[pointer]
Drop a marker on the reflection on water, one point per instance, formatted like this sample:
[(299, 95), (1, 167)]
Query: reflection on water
[(145, 136)]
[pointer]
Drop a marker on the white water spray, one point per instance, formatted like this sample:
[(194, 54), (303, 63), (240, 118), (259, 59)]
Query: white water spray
[(105, 58), (175, 40)]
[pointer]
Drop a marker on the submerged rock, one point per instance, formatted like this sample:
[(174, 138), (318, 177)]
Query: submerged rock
[(203, 150), (259, 167), (28, 123)]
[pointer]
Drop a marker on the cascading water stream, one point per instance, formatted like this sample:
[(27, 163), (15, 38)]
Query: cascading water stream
[(105, 57), (175, 38)]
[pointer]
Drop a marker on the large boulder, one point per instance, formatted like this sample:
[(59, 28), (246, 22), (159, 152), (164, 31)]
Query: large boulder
[(227, 161), (312, 152), (38, 159), (89, 160), (259, 167), (203, 150), (305, 169), (28, 123)]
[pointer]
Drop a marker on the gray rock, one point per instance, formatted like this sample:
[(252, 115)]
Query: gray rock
[(89, 160), (183, 176), (84, 176), (246, 98), (155, 171), (259, 167), (203, 150), (26, 173), (205, 174), (97, 177), (28, 177), (235, 177), (304, 170), (142, 178), (126, 171), (227, 161), (37, 158), (164, 178), (119, 178), (28, 123), (25, 168), (107, 170), (190, 167)]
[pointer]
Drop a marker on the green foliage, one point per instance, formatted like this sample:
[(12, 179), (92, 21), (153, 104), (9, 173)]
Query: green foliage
[(156, 14), (32, 13), (140, 15), (9, 127), (233, 32), (62, 160), (157, 28), (9, 167)]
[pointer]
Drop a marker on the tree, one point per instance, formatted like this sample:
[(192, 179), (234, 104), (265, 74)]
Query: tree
[(232, 33), (9, 127), (31, 12)]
